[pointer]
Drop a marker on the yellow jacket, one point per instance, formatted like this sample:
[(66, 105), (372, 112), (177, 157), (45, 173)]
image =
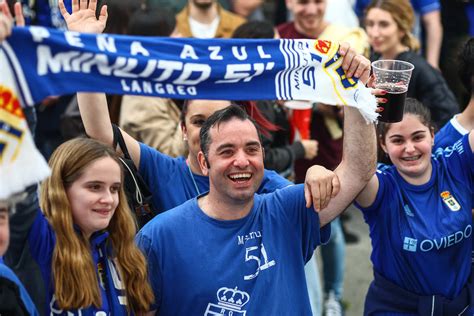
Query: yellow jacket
[(227, 24)]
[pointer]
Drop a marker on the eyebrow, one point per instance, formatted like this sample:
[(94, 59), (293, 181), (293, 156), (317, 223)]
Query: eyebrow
[(412, 134), (229, 145), (100, 182)]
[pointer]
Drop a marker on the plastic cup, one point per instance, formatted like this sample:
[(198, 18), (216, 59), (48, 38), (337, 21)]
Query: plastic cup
[(392, 76)]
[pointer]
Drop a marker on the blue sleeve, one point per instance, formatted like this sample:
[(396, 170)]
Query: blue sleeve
[(42, 241), (153, 164), (7, 273), (459, 159), (301, 219), (272, 181), (371, 212), (154, 269), (426, 6)]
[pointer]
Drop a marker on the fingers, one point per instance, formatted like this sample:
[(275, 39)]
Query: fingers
[(6, 10), (347, 62), (62, 9), (5, 27), (354, 65), (371, 82), (363, 68), (307, 196), (316, 192), (326, 195), (75, 5), (103, 14), (93, 5), (336, 186), (83, 5), (20, 18), (343, 48)]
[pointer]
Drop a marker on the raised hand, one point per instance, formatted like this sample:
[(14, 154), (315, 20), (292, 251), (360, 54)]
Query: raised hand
[(355, 65), (83, 18), (320, 186), (6, 19)]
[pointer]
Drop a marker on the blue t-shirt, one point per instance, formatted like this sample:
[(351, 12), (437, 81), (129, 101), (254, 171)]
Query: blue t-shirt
[(172, 183), (419, 6), (253, 266), (421, 234), (7, 273), (42, 240), (450, 133)]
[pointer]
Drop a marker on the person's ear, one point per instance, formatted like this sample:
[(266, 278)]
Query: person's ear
[(203, 163), (184, 131)]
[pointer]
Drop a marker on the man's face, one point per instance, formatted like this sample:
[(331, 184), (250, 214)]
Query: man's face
[(235, 161), (308, 14), (203, 4), (4, 228)]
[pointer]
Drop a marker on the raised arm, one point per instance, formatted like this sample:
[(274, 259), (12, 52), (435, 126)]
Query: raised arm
[(434, 36), (357, 166), (93, 106)]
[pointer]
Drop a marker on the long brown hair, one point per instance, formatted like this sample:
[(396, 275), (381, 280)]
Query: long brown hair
[(72, 263), (403, 14)]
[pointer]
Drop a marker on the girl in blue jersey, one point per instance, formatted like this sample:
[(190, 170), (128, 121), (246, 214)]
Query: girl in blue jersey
[(419, 214), (83, 240)]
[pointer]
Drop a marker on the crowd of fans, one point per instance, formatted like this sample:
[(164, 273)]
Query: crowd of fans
[(59, 252)]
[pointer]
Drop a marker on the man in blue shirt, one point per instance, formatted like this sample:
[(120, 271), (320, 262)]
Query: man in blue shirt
[(231, 250)]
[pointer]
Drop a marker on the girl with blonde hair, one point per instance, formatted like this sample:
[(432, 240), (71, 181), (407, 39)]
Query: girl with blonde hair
[(83, 240), (388, 24)]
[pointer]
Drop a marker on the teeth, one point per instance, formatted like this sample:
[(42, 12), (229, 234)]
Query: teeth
[(240, 176), (411, 158)]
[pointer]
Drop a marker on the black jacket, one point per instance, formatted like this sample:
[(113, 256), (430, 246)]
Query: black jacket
[(428, 86)]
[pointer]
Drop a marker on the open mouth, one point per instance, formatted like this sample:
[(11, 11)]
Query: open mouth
[(412, 158), (240, 177), (103, 211)]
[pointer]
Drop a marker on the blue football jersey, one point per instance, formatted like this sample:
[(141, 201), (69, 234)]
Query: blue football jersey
[(450, 133), (421, 234), (249, 266)]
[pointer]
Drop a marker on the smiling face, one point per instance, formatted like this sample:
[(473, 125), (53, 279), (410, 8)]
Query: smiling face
[(308, 15), (409, 144), (384, 34), (94, 196), (197, 112), (235, 166)]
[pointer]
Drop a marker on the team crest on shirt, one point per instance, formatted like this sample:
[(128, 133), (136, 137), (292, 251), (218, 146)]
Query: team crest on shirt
[(230, 302), (450, 201)]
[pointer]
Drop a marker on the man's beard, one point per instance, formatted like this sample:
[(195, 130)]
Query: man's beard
[(203, 6)]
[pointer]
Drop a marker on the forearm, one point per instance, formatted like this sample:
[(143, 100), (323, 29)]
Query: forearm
[(434, 37), (358, 163), (95, 116)]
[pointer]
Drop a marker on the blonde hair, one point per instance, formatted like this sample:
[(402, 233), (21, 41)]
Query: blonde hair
[(72, 263), (403, 14)]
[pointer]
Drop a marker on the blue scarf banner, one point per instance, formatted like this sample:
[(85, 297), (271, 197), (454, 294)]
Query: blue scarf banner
[(50, 62), (37, 62)]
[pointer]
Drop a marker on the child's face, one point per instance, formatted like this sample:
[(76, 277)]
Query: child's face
[(4, 228)]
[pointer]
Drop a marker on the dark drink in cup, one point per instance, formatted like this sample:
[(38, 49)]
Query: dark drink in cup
[(392, 76), (393, 108)]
